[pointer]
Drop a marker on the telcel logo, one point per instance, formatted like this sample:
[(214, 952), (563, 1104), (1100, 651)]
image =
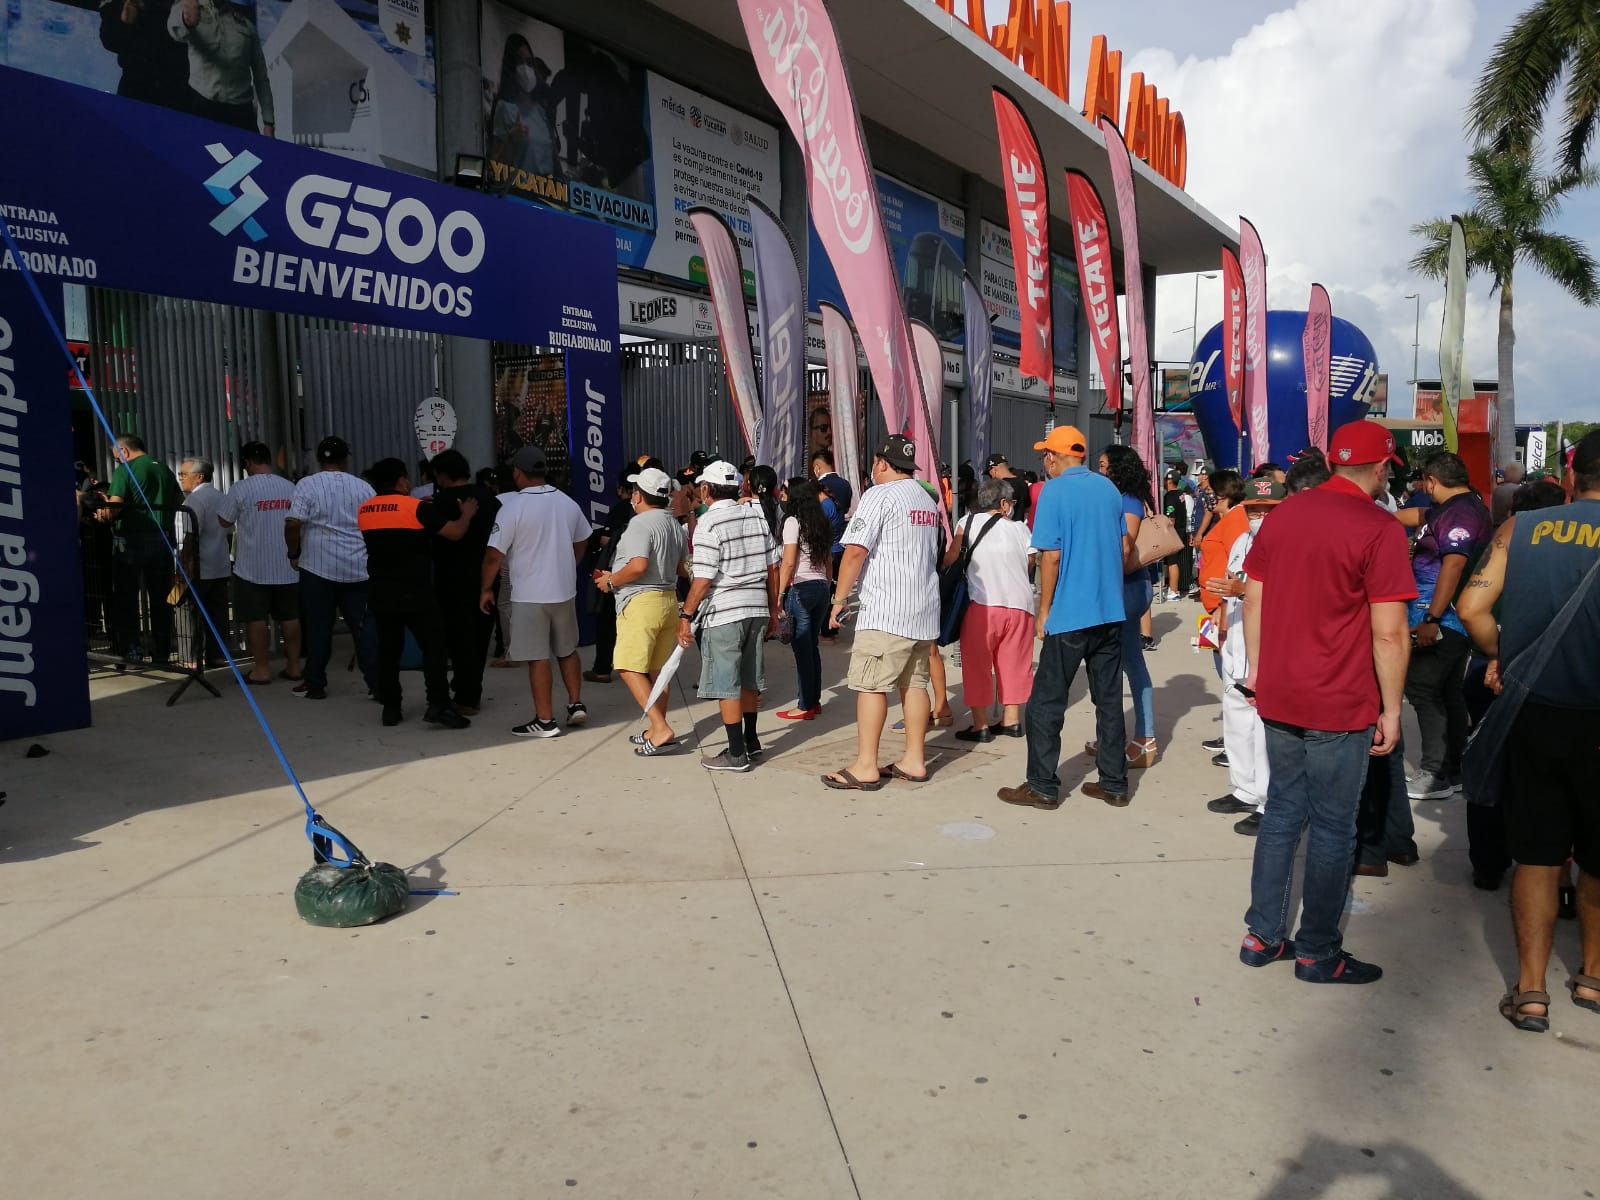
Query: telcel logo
[(372, 218)]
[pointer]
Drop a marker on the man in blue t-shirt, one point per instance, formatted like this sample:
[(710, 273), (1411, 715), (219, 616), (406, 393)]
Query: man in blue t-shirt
[(1451, 536), (1079, 532)]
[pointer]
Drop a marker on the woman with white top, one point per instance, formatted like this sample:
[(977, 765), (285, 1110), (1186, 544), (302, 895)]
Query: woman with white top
[(805, 581), (997, 630)]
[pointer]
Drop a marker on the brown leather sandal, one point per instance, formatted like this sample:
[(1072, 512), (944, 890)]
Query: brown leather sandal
[(1512, 1004), (1581, 980)]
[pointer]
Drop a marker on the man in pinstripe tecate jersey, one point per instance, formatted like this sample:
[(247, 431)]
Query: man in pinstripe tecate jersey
[(264, 584), (892, 546)]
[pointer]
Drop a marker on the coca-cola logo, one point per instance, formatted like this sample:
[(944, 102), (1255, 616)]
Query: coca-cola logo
[(805, 73)]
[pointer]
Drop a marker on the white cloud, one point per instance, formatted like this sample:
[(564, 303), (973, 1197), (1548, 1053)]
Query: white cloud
[(1334, 127)]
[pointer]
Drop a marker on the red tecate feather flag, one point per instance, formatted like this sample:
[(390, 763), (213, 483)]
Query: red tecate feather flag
[(1091, 246), (1233, 337), (1028, 206)]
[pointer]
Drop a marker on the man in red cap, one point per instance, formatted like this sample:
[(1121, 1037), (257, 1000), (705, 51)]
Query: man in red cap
[(1326, 632)]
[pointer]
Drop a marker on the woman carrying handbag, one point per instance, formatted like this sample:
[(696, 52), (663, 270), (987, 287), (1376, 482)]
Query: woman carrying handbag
[(1123, 466)]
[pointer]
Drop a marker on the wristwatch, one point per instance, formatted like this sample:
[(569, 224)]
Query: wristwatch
[(685, 616), (1430, 619)]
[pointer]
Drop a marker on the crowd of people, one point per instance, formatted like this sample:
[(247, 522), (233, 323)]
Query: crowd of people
[(1330, 601)]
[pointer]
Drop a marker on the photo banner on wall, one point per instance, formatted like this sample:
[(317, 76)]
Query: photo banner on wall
[(844, 399), (1091, 244), (733, 329), (371, 99), (781, 303), (1317, 348), (979, 362), (1028, 210), (1253, 265), (927, 248), (1142, 400), (1233, 317), (574, 126), (797, 55)]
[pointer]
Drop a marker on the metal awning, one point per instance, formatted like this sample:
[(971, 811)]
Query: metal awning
[(922, 74)]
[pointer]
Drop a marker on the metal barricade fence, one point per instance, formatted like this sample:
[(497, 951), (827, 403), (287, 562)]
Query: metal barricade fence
[(138, 614)]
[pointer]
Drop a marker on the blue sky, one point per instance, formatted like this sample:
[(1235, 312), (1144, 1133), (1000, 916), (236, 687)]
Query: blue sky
[(1335, 125)]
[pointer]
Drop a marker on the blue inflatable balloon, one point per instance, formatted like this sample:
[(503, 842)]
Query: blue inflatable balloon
[(1354, 378)]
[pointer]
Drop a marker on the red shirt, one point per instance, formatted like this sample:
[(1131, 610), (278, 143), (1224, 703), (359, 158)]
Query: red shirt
[(1323, 558)]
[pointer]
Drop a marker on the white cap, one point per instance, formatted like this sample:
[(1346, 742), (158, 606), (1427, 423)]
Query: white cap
[(720, 474), (653, 481)]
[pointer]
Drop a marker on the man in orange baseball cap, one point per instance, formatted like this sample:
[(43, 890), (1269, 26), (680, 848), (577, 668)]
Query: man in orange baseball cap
[(1064, 440)]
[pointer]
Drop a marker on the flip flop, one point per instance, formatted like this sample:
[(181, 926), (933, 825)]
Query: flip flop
[(899, 774), (289, 677), (648, 749), (849, 783), (253, 682)]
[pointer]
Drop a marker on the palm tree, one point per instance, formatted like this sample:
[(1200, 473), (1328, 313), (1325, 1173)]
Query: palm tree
[(1552, 39), (1512, 204)]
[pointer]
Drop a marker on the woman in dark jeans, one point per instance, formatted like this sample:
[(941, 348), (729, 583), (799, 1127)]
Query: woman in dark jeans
[(805, 581), (1123, 466)]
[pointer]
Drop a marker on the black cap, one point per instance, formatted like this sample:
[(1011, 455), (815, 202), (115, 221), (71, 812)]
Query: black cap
[(900, 452), (529, 460), (699, 458), (995, 460), (333, 450)]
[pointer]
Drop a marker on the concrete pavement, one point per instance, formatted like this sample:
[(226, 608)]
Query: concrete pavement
[(658, 982)]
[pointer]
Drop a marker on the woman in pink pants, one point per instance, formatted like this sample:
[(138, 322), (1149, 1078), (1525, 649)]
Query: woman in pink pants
[(997, 631)]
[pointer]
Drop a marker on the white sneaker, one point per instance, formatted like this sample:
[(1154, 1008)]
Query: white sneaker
[(1173, 597)]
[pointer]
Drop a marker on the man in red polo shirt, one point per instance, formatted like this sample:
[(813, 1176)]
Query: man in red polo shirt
[(1326, 630)]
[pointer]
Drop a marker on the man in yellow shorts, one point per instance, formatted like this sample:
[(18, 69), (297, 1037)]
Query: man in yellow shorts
[(644, 579)]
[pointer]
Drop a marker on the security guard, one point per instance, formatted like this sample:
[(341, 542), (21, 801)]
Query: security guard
[(398, 529)]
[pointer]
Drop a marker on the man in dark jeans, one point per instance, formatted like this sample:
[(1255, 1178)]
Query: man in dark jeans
[(141, 500), (1082, 538), (457, 573), (1325, 600), (1451, 536), (324, 543)]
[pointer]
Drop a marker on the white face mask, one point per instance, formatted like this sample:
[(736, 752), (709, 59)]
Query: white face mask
[(1255, 522), (526, 79)]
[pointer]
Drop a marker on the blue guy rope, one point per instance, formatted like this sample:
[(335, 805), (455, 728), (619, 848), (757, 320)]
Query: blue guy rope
[(320, 833)]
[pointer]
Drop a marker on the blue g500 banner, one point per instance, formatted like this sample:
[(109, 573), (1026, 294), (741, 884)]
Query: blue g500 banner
[(179, 206)]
